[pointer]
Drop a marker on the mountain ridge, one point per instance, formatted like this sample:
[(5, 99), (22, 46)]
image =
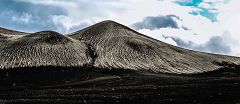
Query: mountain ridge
[(107, 45)]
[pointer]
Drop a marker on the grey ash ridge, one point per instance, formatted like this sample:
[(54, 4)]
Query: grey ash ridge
[(50, 37), (106, 45)]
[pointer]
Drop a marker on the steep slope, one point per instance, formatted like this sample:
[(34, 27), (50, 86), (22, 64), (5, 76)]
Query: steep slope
[(120, 47), (44, 48)]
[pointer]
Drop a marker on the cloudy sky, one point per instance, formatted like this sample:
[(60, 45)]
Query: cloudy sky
[(204, 25)]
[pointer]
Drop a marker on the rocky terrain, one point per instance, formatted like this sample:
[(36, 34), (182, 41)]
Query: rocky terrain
[(111, 63)]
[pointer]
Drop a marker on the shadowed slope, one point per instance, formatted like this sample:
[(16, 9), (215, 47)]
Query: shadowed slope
[(120, 47), (45, 48)]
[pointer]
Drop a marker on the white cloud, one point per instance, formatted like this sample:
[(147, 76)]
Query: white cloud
[(157, 34), (226, 26), (205, 5), (25, 17), (80, 11), (229, 20)]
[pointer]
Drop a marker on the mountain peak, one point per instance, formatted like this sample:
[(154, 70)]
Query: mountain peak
[(45, 48), (109, 22), (46, 34), (49, 37), (104, 29), (120, 47)]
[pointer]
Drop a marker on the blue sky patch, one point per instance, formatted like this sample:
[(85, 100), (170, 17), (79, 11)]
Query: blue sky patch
[(205, 12), (194, 3)]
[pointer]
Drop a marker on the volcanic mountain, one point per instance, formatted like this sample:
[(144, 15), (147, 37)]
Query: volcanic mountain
[(110, 63), (106, 45)]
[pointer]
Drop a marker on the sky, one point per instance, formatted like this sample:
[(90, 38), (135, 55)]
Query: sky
[(203, 25)]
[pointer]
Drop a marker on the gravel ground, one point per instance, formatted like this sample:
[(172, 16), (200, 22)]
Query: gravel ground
[(93, 87)]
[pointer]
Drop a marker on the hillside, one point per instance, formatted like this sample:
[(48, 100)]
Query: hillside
[(120, 47), (44, 48), (106, 45)]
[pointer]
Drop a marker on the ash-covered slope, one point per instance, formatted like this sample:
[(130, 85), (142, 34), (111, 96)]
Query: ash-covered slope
[(106, 45), (44, 48), (119, 47)]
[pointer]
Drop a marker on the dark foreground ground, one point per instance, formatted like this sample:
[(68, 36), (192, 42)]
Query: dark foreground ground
[(59, 86)]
